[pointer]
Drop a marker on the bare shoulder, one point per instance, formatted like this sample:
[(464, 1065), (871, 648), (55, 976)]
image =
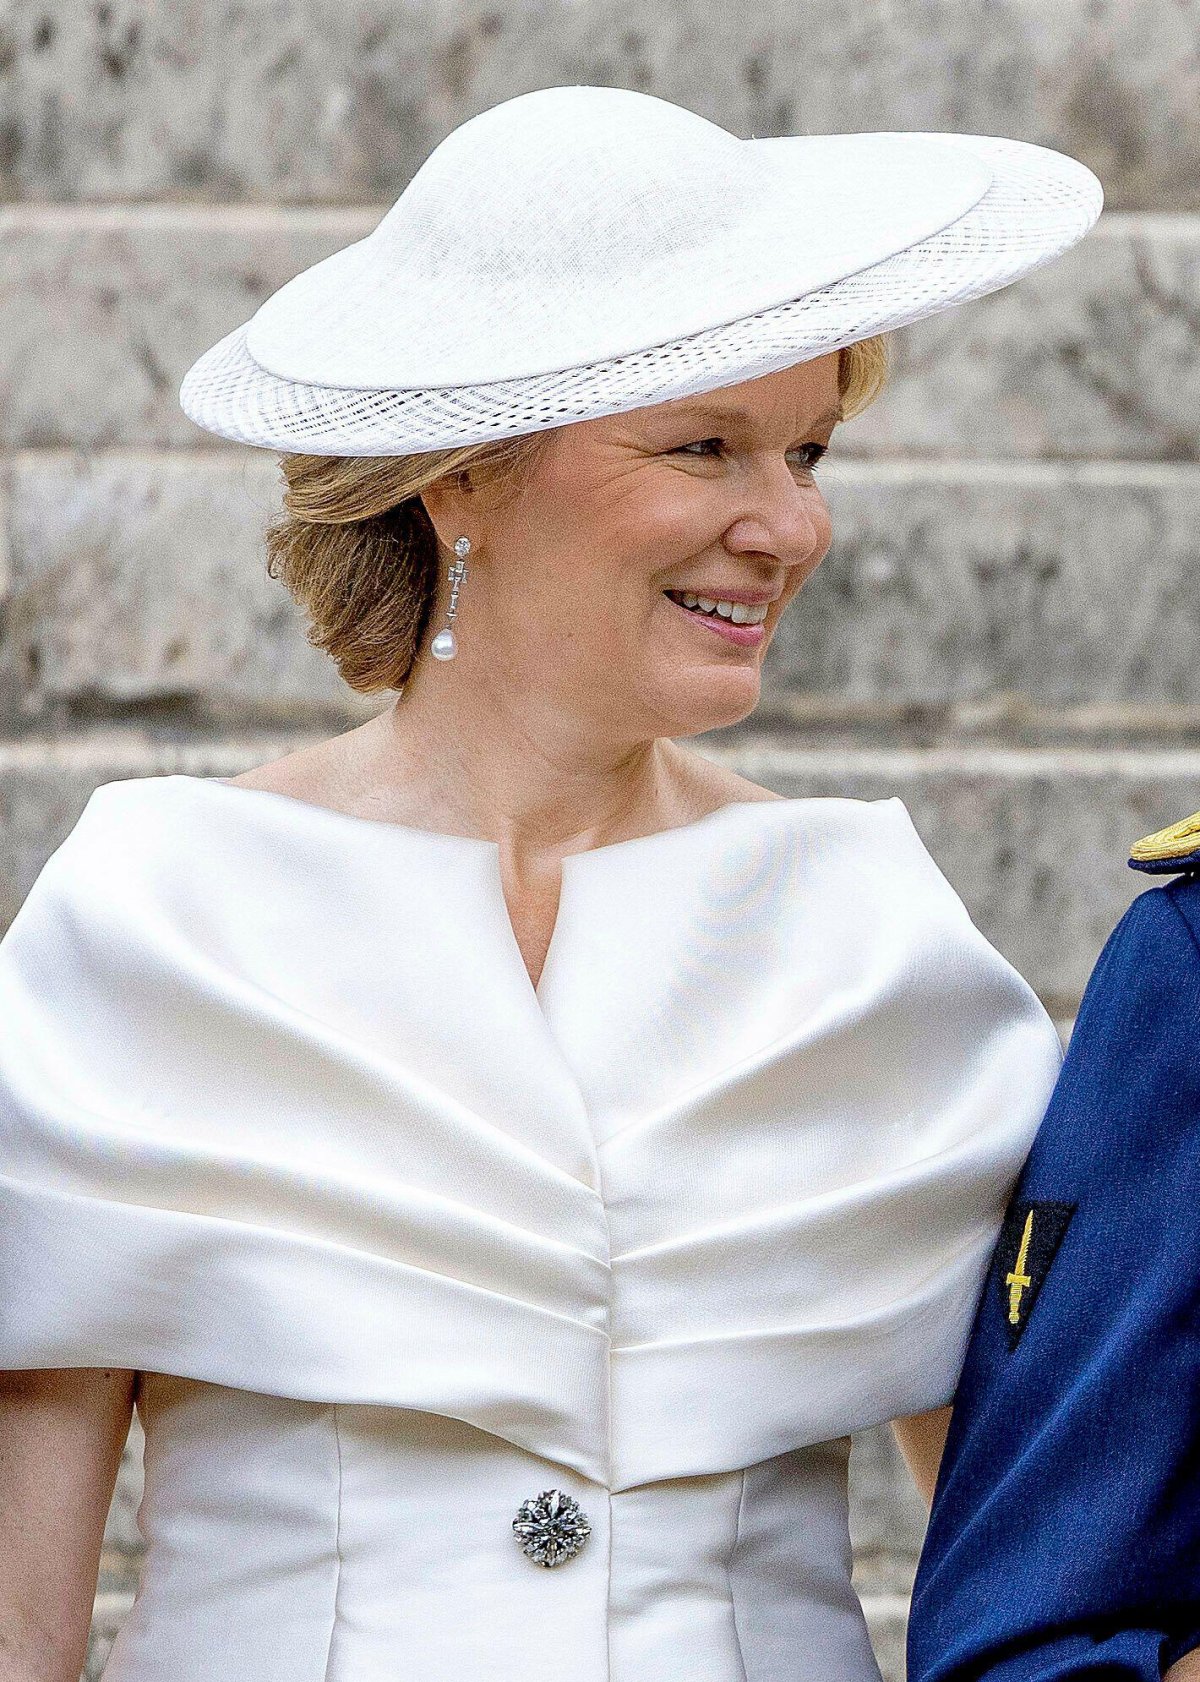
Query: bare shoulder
[(322, 773), (754, 791)]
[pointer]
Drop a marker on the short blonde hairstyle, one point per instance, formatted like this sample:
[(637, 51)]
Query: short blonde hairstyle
[(356, 549)]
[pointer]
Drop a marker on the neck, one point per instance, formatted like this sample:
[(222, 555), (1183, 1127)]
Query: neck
[(465, 756)]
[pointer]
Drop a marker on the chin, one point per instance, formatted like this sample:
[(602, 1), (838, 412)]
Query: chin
[(719, 699)]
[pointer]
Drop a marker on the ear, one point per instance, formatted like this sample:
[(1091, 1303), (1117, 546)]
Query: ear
[(448, 503)]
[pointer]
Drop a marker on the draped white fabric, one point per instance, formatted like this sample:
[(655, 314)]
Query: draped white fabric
[(281, 1112)]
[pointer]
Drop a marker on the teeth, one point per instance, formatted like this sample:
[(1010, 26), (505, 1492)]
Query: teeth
[(740, 613)]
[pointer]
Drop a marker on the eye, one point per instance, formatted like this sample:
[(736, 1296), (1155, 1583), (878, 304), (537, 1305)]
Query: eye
[(815, 451)]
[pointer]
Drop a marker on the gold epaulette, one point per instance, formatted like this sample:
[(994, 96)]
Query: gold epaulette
[(1174, 842)]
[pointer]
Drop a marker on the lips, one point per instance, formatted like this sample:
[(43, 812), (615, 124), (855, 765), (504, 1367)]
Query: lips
[(745, 636)]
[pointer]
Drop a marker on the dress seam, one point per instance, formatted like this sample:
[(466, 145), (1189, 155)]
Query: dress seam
[(337, 1540)]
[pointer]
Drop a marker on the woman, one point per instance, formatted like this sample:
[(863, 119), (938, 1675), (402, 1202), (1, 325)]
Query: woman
[(501, 1152)]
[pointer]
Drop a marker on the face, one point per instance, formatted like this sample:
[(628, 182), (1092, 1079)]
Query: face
[(578, 586)]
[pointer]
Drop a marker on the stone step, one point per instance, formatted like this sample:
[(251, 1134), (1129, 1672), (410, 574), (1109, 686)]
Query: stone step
[(1069, 584), (109, 1613), (887, 1620), (122, 1538), (1034, 841), (138, 579), (887, 1515), (1067, 362), (317, 102)]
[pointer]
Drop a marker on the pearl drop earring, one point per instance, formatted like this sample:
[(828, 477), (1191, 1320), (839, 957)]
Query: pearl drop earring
[(444, 646)]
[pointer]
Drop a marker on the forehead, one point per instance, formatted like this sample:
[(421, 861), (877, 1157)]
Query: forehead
[(804, 396), (740, 413)]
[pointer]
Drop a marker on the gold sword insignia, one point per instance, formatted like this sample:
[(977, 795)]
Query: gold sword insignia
[(1018, 1281)]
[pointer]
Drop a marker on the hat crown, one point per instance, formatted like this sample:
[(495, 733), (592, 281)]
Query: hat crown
[(573, 225), (533, 189)]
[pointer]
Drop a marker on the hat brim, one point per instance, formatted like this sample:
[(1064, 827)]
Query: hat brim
[(1039, 203)]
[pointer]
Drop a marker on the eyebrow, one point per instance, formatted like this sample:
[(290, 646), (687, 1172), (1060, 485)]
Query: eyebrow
[(716, 411)]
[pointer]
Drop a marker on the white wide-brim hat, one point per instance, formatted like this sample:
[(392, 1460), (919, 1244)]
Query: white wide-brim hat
[(579, 251)]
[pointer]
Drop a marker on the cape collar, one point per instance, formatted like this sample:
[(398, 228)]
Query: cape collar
[(625, 1009), (724, 1185)]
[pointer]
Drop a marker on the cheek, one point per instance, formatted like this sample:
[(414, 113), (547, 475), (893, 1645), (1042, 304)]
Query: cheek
[(643, 506), (677, 518), (615, 550)]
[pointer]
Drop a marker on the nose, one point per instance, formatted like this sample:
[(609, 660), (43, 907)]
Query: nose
[(783, 521)]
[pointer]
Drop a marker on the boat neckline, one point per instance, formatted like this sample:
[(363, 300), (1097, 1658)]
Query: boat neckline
[(331, 817)]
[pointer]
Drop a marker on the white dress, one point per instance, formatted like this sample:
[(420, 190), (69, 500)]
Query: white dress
[(399, 1242)]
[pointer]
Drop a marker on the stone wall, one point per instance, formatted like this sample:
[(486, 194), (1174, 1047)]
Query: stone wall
[(1004, 632)]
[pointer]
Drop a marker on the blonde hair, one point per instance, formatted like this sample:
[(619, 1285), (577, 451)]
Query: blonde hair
[(356, 549)]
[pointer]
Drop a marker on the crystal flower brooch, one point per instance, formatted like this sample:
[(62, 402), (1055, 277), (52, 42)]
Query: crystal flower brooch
[(550, 1527)]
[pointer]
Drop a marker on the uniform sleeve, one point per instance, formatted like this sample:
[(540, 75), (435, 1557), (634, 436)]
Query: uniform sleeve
[(1064, 1540)]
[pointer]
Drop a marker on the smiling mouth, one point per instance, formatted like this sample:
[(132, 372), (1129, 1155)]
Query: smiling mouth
[(734, 613), (742, 632)]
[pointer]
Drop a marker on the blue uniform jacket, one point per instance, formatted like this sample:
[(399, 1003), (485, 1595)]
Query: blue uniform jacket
[(1064, 1539)]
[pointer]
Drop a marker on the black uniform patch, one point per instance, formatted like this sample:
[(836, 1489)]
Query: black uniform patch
[(1029, 1241)]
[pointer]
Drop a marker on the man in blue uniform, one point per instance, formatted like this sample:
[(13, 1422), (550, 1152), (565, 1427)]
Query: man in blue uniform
[(1064, 1540)]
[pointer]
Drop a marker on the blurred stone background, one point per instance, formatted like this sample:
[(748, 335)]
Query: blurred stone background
[(1004, 632)]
